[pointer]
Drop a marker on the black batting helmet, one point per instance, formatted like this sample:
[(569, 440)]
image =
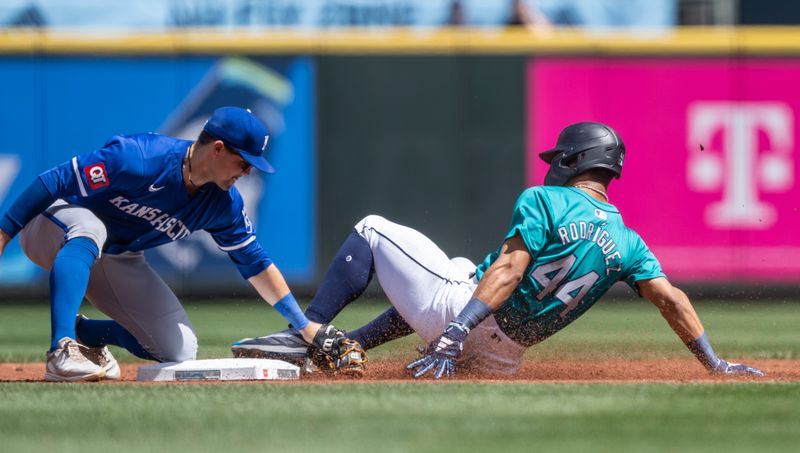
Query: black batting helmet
[(580, 147)]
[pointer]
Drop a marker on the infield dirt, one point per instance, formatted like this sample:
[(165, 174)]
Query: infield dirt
[(549, 371)]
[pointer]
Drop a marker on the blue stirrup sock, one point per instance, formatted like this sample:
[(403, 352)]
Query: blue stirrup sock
[(97, 333), (68, 279), (388, 326), (345, 280)]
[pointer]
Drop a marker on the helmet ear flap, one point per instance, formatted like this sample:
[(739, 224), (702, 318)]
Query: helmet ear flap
[(561, 169)]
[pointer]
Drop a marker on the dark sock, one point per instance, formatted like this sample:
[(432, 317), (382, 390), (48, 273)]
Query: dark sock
[(68, 279), (98, 333), (388, 326), (346, 278)]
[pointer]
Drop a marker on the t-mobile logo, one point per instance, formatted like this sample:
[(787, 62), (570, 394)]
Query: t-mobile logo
[(756, 141)]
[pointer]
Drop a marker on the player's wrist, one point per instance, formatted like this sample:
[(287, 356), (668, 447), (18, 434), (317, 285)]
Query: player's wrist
[(473, 313), (290, 310), (310, 331), (701, 348)]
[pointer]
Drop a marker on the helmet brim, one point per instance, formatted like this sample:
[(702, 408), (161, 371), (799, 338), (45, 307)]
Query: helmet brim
[(550, 154)]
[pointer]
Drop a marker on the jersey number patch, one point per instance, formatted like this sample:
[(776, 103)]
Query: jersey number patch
[(96, 175), (551, 276)]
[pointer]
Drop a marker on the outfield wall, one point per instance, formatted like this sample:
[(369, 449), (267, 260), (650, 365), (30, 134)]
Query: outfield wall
[(437, 130)]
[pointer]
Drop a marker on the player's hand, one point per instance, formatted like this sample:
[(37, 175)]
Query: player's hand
[(325, 338), (4, 240), (442, 353), (739, 369), (310, 331)]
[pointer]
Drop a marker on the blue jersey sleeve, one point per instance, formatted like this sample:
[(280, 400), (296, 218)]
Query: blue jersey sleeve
[(234, 233), (33, 200), (645, 266), (117, 165)]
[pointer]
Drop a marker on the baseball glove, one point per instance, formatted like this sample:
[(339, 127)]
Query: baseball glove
[(332, 352)]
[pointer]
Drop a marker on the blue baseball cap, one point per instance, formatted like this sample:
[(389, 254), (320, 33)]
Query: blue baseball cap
[(241, 130)]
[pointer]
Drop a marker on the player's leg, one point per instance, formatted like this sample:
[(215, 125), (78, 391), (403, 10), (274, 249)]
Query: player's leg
[(417, 276), (97, 333), (488, 350), (390, 325), (148, 319), (66, 241), (345, 280), (386, 327)]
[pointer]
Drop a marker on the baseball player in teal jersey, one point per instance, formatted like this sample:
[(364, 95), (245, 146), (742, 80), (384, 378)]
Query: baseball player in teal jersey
[(565, 247), (88, 220)]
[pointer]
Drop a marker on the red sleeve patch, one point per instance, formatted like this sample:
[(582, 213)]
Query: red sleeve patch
[(97, 175)]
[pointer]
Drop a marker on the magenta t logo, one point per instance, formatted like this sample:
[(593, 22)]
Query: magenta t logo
[(744, 168)]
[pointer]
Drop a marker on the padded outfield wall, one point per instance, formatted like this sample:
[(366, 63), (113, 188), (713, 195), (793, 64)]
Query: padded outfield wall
[(436, 130)]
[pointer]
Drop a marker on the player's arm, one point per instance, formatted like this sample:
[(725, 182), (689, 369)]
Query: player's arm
[(681, 316), (272, 287), (83, 175), (234, 233), (504, 275), (30, 203), (495, 287)]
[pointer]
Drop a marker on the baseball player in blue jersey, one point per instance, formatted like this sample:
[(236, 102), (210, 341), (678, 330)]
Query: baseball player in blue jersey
[(565, 247), (88, 220)]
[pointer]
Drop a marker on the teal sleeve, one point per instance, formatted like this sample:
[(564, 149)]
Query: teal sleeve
[(532, 219), (645, 265)]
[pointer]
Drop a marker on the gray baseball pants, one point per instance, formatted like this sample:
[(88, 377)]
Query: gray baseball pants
[(124, 287)]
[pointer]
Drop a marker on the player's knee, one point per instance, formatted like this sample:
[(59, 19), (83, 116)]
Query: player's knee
[(91, 227), (184, 348), (464, 265), (370, 222)]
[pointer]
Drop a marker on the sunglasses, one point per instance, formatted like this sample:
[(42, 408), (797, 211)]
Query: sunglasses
[(244, 163)]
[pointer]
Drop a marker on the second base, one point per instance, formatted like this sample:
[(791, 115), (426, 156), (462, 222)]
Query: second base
[(219, 370)]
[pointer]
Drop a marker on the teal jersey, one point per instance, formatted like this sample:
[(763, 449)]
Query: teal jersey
[(579, 247)]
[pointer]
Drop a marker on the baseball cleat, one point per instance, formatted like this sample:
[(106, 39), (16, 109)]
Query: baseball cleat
[(100, 356), (69, 363), (287, 345)]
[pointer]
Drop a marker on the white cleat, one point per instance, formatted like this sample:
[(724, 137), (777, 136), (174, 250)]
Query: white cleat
[(69, 363), (100, 356)]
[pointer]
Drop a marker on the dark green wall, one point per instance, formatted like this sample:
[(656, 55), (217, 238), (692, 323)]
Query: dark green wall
[(769, 12), (432, 142)]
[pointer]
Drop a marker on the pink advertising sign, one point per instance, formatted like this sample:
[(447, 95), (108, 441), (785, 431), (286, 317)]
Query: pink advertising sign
[(711, 178)]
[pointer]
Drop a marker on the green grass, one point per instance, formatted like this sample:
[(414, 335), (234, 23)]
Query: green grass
[(380, 417), (399, 417), (631, 328)]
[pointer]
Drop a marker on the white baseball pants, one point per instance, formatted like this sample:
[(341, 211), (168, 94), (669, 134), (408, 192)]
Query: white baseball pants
[(429, 290)]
